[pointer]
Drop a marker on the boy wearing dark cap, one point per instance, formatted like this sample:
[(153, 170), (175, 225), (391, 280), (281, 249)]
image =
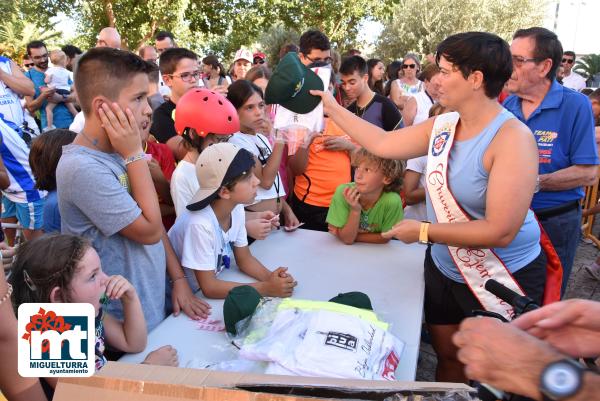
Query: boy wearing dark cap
[(211, 232)]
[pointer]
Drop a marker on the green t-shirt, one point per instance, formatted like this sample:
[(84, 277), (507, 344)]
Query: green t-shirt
[(381, 217)]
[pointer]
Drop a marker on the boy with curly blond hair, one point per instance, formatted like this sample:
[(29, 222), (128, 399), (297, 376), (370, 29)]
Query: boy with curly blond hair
[(363, 209)]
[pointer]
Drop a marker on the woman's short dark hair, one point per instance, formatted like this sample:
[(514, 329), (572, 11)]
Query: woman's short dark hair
[(479, 51), (547, 45), (44, 155), (240, 91)]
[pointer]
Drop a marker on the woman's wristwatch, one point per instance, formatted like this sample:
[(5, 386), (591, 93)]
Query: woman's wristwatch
[(424, 233)]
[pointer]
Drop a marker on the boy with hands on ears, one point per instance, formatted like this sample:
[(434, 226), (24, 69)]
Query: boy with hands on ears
[(106, 166)]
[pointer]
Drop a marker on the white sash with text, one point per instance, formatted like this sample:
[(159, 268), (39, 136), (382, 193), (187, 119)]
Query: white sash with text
[(475, 265)]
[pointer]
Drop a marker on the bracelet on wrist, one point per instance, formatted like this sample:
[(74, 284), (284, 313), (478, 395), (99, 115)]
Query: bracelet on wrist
[(135, 158)]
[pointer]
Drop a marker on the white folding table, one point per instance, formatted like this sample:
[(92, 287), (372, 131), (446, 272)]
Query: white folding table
[(390, 274)]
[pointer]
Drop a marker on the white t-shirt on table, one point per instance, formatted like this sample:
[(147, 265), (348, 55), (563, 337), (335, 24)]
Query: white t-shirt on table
[(260, 147), (199, 240), (184, 184), (321, 343)]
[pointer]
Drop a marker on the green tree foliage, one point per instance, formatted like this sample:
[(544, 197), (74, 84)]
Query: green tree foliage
[(339, 19), (588, 65), (272, 40), (419, 25), (18, 29), (232, 24), (221, 25), (14, 37), (137, 21)]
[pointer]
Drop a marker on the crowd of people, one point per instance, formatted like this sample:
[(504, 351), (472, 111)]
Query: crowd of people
[(140, 177)]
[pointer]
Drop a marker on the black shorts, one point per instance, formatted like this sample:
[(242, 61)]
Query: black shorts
[(313, 217), (449, 302)]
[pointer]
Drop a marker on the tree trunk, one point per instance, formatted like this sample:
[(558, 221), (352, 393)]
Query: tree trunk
[(148, 35)]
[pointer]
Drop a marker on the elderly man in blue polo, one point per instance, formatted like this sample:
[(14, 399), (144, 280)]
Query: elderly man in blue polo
[(563, 125)]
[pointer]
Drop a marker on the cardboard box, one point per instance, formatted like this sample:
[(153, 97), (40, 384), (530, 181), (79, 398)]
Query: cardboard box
[(127, 382)]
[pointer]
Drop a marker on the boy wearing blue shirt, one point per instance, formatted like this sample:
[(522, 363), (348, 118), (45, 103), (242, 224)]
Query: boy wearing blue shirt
[(62, 116)]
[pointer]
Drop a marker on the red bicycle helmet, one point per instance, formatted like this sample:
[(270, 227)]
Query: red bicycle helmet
[(207, 112)]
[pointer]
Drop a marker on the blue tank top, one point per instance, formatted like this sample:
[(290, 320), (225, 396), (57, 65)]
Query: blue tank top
[(468, 181)]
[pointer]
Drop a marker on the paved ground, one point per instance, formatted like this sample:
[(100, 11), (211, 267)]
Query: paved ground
[(581, 285)]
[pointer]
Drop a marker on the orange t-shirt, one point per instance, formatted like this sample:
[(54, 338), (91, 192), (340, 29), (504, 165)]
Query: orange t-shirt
[(325, 170)]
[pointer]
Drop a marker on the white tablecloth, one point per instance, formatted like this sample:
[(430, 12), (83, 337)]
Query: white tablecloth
[(391, 275)]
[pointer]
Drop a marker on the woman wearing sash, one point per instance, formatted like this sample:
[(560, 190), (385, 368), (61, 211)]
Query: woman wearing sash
[(481, 176)]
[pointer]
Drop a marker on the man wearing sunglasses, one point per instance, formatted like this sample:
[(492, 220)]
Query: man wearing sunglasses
[(259, 58), (314, 48), (13, 83), (27, 63), (571, 79), (562, 123)]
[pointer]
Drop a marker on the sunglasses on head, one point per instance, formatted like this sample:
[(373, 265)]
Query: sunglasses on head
[(568, 60), (411, 66)]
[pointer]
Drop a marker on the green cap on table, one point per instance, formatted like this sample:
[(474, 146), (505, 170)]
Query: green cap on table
[(354, 298), (240, 303)]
